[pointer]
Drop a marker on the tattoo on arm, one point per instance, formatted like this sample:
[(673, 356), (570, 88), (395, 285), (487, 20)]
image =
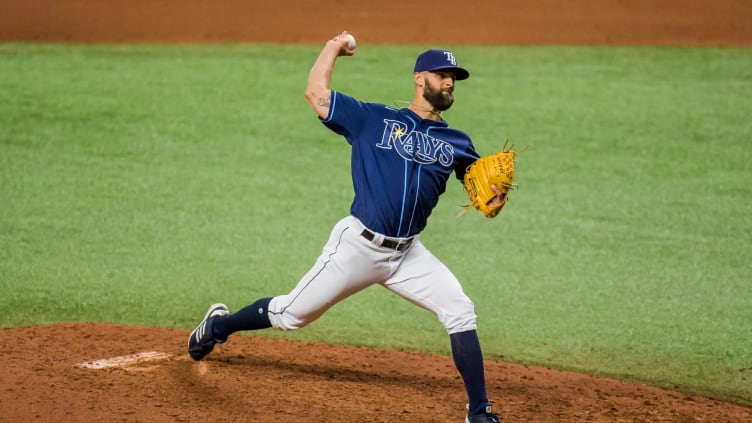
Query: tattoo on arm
[(325, 101)]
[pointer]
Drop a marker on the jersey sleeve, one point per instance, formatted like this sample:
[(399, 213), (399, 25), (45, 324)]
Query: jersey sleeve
[(346, 115), (464, 158)]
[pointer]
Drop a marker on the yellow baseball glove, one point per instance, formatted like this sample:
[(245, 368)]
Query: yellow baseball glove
[(497, 170)]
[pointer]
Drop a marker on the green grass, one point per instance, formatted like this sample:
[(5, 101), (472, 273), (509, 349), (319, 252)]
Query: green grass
[(140, 183)]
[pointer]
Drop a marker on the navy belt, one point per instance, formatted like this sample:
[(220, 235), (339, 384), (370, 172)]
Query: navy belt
[(393, 243)]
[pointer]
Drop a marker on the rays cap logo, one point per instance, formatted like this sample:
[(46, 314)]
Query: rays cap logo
[(436, 60)]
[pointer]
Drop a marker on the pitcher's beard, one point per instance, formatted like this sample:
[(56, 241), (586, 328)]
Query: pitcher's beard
[(439, 99)]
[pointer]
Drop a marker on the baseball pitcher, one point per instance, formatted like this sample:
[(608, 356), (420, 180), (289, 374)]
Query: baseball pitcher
[(401, 161)]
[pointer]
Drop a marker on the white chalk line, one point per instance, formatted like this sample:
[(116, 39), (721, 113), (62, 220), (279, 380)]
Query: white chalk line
[(125, 361)]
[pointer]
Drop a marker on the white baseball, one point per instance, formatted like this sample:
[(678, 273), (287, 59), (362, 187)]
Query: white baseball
[(350, 41)]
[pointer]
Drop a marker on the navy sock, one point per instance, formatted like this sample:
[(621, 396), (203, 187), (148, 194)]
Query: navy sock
[(468, 358), (251, 317)]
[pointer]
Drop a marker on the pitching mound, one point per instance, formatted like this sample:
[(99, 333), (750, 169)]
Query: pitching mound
[(101, 372)]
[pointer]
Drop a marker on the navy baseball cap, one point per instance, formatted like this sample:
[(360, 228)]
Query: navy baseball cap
[(435, 60)]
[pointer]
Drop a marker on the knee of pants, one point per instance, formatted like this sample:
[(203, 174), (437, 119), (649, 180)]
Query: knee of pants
[(285, 322), (461, 319), (284, 317)]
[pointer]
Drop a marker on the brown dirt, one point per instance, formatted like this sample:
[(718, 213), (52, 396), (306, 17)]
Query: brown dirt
[(253, 378), (635, 22)]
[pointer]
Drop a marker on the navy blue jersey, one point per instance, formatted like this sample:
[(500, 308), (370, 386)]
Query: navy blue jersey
[(400, 162)]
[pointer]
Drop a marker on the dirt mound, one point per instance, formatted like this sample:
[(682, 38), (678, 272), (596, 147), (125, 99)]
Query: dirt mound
[(103, 372)]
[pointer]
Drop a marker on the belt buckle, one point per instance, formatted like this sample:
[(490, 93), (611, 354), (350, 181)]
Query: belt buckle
[(402, 244), (397, 244)]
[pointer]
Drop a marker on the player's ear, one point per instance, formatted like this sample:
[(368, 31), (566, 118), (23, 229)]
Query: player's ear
[(419, 79)]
